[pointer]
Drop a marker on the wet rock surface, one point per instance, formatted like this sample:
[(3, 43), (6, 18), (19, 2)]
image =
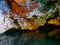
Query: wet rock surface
[(25, 37)]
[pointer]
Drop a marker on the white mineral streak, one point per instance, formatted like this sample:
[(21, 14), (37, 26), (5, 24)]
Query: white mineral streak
[(50, 10), (28, 4), (35, 12)]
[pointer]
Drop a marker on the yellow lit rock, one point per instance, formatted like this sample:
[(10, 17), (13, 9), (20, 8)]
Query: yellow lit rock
[(21, 2)]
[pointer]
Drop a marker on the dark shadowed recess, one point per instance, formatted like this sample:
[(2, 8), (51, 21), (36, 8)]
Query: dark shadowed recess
[(26, 37), (47, 28)]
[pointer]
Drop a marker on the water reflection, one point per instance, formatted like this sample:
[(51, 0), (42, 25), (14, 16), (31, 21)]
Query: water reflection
[(24, 37)]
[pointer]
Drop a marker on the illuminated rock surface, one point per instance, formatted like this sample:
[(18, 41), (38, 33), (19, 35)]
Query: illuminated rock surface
[(47, 34), (26, 19)]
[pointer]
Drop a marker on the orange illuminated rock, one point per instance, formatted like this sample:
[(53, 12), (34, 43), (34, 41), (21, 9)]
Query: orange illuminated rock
[(20, 2), (19, 9)]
